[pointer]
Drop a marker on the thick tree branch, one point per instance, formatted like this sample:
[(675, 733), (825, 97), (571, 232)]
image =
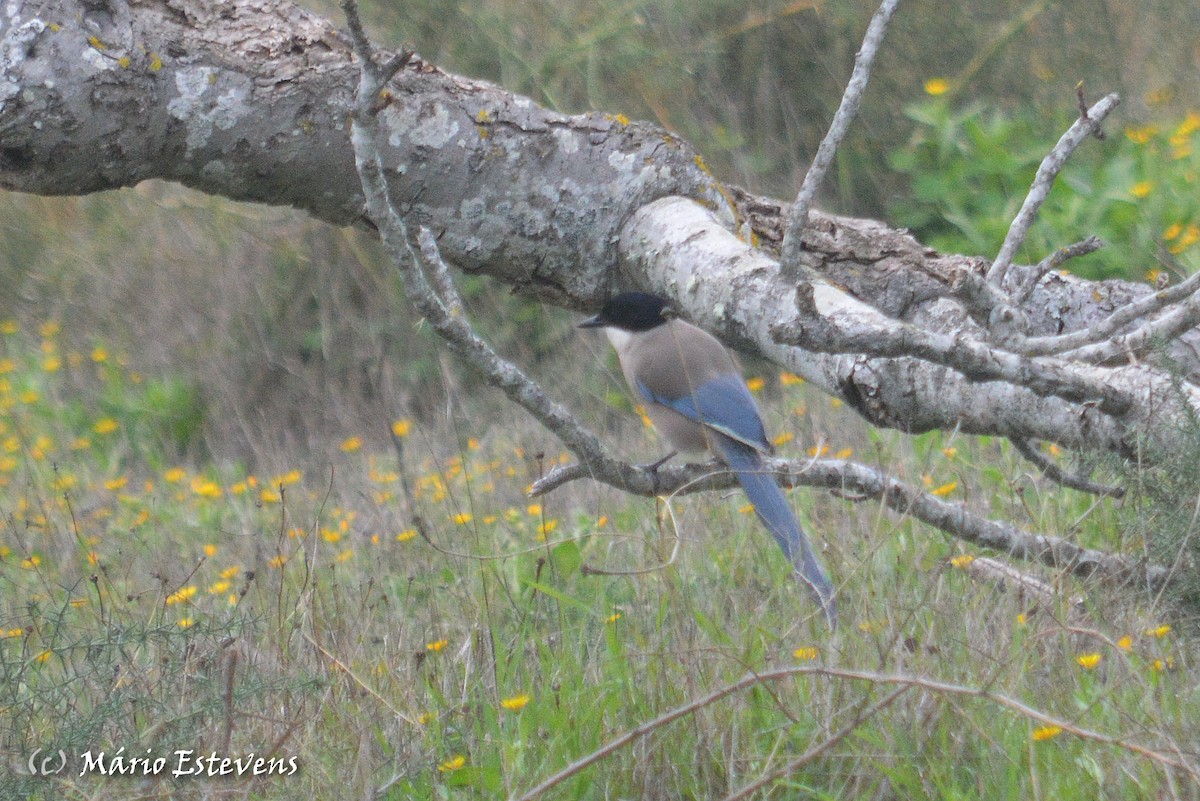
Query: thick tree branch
[(249, 99), (722, 284)]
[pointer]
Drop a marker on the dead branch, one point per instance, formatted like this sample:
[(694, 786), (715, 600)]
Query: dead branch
[(1164, 760), (847, 110), (854, 479), (1087, 124)]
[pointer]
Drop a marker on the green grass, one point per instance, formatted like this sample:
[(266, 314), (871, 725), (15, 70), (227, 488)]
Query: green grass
[(302, 615)]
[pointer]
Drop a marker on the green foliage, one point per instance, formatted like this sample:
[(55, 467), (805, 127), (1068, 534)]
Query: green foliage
[(214, 608), (969, 169)]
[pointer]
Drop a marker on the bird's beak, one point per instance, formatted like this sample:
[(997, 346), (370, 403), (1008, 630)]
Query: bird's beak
[(593, 322)]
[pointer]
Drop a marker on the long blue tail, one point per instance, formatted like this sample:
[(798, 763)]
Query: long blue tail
[(776, 514)]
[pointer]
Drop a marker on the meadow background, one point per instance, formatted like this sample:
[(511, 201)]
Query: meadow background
[(248, 505)]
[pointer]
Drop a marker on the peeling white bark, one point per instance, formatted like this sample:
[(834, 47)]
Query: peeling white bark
[(250, 99)]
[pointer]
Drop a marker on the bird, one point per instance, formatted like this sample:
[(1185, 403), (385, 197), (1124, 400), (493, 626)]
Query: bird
[(694, 394)]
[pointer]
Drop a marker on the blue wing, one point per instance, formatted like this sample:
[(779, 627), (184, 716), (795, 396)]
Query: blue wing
[(723, 404)]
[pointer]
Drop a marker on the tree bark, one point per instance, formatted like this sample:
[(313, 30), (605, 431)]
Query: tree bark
[(250, 100)]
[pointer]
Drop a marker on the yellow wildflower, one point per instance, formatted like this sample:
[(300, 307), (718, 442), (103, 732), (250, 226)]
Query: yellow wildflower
[(206, 488), (1141, 135), (401, 427), (1088, 661), (436, 645), (351, 444), (806, 654), (789, 379), (452, 764), (516, 703), (945, 489), (1046, 733), (181, 595), (936, 87)]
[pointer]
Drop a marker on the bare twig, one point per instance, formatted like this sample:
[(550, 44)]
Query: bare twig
[(847, 109), (1053, 262), (820, 748), (344, 668), (1164, 760), (1060, 476), (1029, 586), (1089, 121)]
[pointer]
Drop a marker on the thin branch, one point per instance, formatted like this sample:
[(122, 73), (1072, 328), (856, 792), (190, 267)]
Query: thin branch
[(898, 680), (820, 748), (1060, 476), (975, 360), (444, 313), (1053, 262), (1024, 584), (439, 273), (1165, 327), (866, 483), (1087, 123), (847, 109), (1144, 306)]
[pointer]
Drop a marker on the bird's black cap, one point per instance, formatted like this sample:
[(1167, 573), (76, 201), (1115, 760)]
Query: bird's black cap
[(630, 311)]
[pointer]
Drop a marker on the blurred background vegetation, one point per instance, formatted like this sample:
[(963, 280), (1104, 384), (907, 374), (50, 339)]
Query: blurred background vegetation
[(268, 335), (201, 498)]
